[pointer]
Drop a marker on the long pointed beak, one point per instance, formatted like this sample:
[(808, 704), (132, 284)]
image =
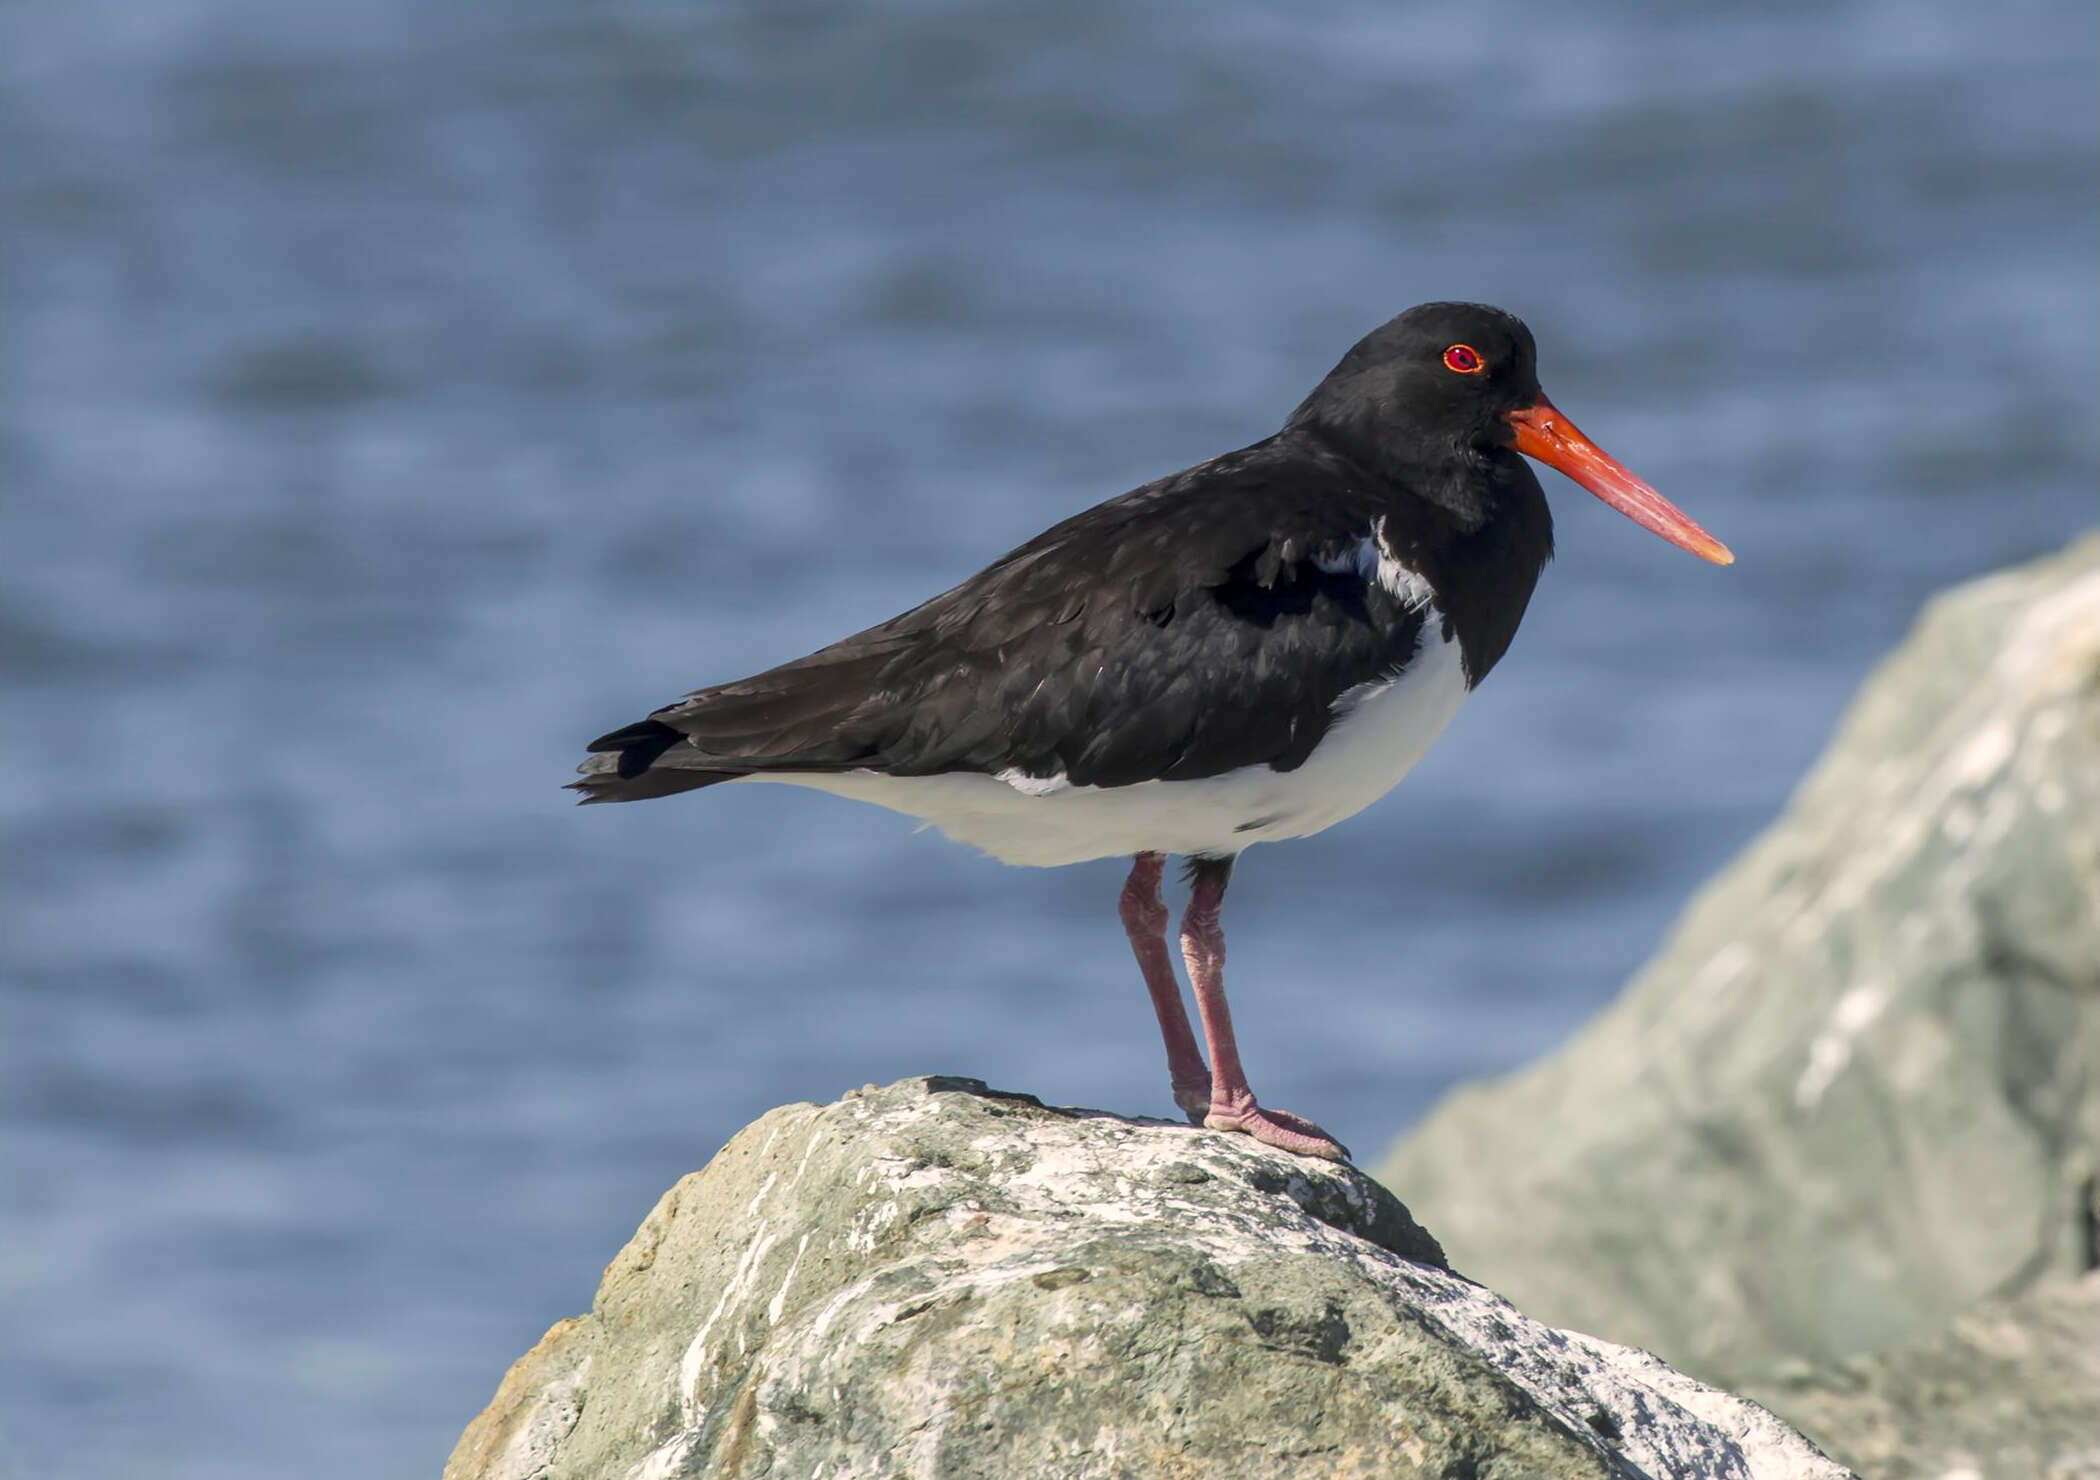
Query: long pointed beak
[(1543, 433)]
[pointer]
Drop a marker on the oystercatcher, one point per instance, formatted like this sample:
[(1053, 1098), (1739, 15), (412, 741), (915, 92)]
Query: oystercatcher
[(1248, 650)]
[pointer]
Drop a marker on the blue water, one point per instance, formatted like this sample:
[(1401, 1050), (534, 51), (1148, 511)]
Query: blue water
[(397, 396)]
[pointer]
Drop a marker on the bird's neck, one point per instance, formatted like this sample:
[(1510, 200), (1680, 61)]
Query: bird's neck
[(1484, 574), (1472, 522)]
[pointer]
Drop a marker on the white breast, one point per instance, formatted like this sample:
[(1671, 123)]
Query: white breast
[(1379, 732)]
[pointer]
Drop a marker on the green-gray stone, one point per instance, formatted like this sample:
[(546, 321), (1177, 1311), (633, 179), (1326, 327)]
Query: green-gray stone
[(939, 1280), (2010, 1390), (1859, 1089)]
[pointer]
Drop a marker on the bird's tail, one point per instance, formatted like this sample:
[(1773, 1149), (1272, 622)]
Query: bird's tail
[(623, 766), (811, 715)]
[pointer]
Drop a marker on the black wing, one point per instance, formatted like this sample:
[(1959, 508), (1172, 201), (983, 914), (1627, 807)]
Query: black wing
[(1197, 625)]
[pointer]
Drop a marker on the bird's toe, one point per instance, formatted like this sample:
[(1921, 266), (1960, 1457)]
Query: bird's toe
[(1278, 1128)]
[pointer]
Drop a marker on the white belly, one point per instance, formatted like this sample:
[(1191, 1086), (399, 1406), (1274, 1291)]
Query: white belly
[(1380, 732)]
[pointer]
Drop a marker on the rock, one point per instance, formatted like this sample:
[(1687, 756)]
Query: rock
[(2009, 1391), (937, 1279), (1859, 1089)]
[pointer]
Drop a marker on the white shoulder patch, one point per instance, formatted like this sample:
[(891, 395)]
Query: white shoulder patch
[(1372, 561), (1034, 786)]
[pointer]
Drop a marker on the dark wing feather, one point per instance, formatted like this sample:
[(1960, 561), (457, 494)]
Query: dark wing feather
[(1183, 630)]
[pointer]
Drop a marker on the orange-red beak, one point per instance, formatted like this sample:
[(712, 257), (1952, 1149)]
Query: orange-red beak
[(1543, 433)]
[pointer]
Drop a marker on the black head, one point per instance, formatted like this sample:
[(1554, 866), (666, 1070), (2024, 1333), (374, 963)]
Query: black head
[(1437, 380), (1442, 399)]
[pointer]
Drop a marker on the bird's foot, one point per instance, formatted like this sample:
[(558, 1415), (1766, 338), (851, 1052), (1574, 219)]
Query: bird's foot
[(1277, 1128), (1193, 1096)]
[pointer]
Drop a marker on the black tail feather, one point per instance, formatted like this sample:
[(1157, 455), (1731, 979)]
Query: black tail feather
[(610, 787), (790, 718), (623, 768), (638, 744)]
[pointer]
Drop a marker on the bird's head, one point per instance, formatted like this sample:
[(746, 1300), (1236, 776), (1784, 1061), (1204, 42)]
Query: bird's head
[(1447, 385)]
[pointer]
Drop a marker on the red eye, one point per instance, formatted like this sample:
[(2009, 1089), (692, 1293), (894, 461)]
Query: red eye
[(1464, 359)]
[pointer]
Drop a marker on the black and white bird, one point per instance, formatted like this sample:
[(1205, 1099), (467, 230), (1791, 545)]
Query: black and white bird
[(1249, 650)]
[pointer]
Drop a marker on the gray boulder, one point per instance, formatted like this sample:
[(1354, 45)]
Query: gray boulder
[(940, 1280), (1859, 1089), (2009, 1391)]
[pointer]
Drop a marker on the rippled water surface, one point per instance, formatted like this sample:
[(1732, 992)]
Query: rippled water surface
[(397, 396)]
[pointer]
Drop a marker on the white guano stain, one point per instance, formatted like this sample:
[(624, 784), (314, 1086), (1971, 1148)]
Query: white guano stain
[(536, 1443), (693, 1365), (1830, 1054), (668, 1458), (1723, 971), (773, 1306)]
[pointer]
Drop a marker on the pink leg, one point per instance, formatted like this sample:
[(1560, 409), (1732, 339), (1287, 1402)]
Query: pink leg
[(1232, 1103), (1145, 921)]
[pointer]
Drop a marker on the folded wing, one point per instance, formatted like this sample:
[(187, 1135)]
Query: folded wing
[(1198, 625)]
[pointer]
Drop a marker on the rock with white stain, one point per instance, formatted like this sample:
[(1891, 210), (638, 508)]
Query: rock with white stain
[(1860, 1087), (940, 1280)]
